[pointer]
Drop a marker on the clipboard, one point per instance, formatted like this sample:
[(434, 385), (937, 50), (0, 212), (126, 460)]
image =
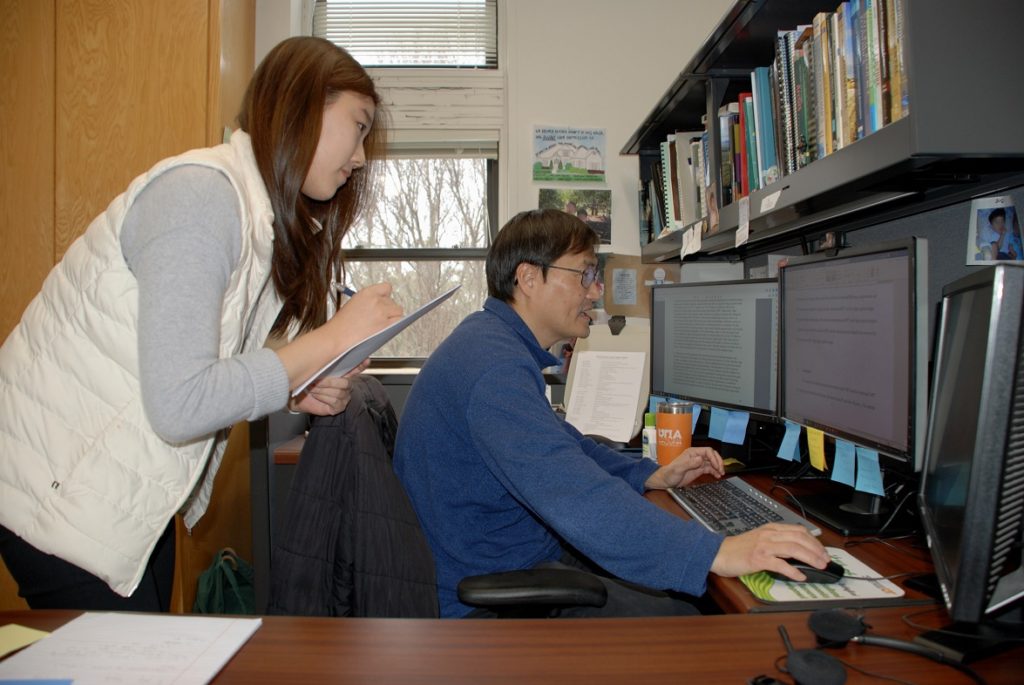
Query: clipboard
[(350, 358)]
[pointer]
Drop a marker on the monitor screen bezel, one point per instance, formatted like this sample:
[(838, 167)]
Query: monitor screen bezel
[(760, 412), (916, 248), (964, 589)]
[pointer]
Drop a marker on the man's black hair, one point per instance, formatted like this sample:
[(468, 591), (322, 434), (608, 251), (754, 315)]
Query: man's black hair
[(536, 236), (996, 213)]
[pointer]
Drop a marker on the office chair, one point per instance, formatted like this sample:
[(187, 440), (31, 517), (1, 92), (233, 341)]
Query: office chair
[(349, 542)]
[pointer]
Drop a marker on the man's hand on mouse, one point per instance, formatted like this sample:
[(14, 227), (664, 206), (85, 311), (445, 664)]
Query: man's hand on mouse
[(765, 548)]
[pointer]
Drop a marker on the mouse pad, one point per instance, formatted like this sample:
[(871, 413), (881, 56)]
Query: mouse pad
[(769, 590)]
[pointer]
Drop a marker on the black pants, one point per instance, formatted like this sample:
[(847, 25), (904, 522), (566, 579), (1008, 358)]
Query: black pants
[(48, 582), (625, 599)]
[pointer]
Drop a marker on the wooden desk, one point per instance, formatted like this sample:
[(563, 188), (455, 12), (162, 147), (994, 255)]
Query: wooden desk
[(701, 649), (905, 556)]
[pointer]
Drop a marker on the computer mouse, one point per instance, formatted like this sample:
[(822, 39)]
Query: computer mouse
[(832, 573)]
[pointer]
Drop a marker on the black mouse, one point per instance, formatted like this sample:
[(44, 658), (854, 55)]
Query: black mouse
[(832, 573)]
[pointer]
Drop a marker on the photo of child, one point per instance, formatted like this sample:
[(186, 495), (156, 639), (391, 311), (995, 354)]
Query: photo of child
[(995, 233)]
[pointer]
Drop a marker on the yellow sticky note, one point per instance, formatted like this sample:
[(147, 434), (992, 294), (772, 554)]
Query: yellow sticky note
[(13, 637), (816, 444)]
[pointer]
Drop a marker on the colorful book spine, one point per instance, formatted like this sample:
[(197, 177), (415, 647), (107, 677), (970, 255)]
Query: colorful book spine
[(764, 124), (750, 135), (855, 115), (823, 83), (897, 68), (838, 78), (874, 68)]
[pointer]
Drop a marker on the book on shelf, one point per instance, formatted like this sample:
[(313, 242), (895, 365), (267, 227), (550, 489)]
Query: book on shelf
[(828, 84), (764, 125), (686, 183), (673, 218), (822, 54)]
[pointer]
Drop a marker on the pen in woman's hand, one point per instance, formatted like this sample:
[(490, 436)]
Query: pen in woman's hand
[(343, 289)]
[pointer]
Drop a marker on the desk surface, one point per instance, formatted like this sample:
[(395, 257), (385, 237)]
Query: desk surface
[(702, 649), (889, 558)]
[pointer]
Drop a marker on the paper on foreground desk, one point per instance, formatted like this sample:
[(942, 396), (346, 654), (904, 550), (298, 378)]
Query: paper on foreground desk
[(767, 589), (133, 648)]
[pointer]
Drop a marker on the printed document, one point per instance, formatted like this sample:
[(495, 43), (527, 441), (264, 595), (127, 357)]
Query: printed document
[(133, 648), (605, 392)]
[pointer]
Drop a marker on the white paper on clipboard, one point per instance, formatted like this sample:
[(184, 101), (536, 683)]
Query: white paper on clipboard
[(350, 358)]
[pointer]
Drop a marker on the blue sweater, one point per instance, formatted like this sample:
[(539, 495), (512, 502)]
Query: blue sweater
[(497, 479)]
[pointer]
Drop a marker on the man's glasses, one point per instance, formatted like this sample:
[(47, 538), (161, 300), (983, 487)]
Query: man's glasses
[(588, 276)]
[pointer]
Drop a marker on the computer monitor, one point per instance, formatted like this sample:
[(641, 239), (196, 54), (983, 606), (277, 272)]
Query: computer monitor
[(715, 343), (853, 360), (972, 484)]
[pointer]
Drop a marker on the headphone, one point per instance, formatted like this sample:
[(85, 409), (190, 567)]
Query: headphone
[(836, 627)]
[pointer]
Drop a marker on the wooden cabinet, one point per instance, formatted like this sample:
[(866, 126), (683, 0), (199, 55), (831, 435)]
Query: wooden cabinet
[(96, 92)]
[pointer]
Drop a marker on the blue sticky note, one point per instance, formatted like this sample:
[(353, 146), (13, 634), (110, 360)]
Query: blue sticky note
[(790, 447), (696, 415), (719, 417), (842, 464), (869, 475), (652, 404), (736, 427)]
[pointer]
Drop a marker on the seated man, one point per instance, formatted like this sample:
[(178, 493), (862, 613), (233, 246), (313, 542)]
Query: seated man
[(499, 482)]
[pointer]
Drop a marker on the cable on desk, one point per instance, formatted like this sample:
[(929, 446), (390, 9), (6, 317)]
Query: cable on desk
[(872, 674), (793, 497), (886, 541), (908, 621), (896, 510)]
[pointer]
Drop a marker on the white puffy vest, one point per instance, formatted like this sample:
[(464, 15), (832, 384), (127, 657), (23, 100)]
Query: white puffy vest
[(82, 474)]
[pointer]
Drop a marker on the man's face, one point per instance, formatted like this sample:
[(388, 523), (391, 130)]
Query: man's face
[(998, 224), (563, 303)]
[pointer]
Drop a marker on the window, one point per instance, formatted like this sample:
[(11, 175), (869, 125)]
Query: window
[(428, 230), (412, 33), (436, 204)]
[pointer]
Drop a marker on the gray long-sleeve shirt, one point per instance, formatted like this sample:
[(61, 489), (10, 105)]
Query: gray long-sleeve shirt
[(182, 239)]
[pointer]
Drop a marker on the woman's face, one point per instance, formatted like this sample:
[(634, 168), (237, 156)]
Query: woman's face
[(347, 121)]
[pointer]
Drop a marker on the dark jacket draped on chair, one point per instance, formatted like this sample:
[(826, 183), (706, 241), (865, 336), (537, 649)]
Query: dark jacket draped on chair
[(349, 543)]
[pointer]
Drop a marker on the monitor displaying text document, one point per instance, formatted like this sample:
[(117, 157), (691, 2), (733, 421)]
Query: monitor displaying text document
[(716, 343), (846, 346)]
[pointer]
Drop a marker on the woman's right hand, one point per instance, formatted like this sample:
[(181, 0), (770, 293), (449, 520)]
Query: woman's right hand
[(368, 311)]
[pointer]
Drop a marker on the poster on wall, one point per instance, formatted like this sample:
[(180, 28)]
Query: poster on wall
[(994, 234), (568, 155), (592, 206)]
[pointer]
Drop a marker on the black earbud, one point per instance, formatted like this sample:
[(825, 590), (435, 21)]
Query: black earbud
[(811, 666), (835, 627)]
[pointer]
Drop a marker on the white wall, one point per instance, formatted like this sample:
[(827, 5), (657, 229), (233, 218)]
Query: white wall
[(579, 63), (595, 64)]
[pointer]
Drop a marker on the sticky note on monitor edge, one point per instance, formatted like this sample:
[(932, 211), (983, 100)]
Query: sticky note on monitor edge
[(790, 447), (869, 473), (816, 446), (843, 463)]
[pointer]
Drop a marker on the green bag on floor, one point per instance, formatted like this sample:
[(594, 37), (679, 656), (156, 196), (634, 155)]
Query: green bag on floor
[(226, 587)]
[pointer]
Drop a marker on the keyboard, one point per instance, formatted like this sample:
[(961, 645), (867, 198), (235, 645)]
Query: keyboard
[(732, 506)]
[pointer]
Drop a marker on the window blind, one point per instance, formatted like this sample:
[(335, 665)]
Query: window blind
[(412, 33)]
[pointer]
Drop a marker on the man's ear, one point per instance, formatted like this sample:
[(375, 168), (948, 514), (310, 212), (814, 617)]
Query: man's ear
[(527, 276)]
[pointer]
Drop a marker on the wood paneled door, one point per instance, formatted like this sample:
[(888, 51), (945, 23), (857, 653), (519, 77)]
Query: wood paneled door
[(96, 92)]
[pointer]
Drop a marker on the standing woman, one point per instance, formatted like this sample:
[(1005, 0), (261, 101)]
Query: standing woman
[(146, 341)]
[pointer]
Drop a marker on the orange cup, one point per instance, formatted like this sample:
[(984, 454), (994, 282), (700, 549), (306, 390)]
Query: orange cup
[(674, 424)]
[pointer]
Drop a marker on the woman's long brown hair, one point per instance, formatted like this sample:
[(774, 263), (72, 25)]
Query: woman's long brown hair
[(282, 112)]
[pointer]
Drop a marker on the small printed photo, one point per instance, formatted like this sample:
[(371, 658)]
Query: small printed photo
[(994, 234), (592, 206)]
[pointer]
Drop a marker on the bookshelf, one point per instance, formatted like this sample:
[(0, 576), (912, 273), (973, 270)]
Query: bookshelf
[(963, 135)]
